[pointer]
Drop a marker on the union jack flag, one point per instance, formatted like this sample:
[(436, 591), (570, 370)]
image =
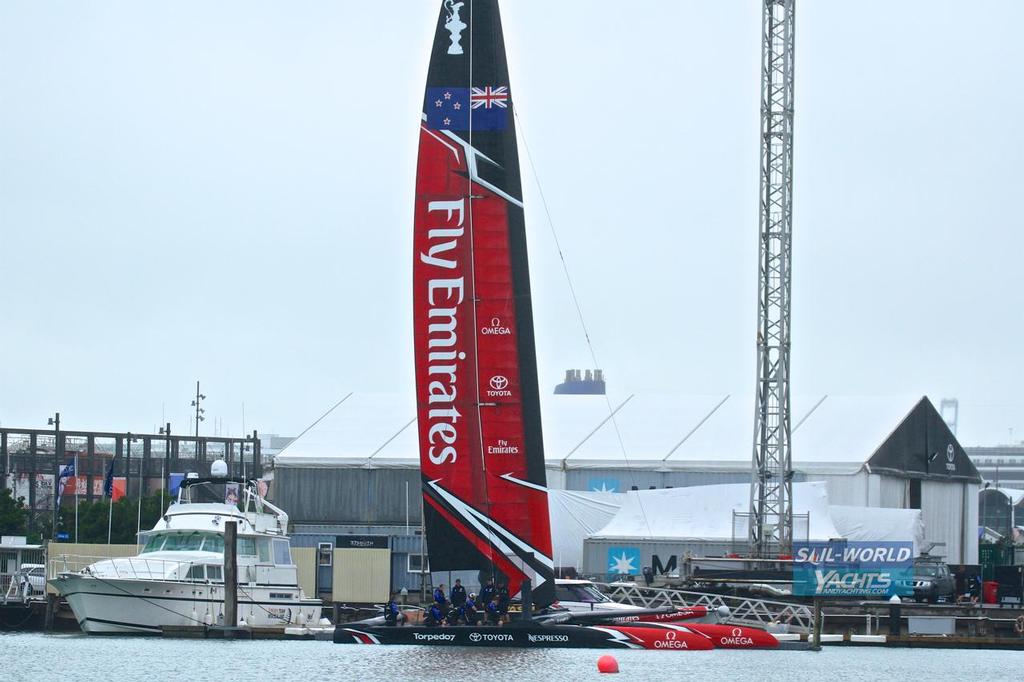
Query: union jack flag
[(488, 97)]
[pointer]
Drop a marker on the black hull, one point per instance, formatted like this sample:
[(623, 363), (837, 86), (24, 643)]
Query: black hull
[(529, 636)]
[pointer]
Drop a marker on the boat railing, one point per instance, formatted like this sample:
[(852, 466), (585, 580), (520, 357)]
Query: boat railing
[(742, 610), (128, 568)]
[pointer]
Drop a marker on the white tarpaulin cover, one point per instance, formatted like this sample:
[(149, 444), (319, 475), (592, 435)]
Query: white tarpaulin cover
[(576, 516), (706, 513), (879, 523)]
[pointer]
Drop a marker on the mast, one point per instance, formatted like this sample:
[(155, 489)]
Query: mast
[(478, 402)]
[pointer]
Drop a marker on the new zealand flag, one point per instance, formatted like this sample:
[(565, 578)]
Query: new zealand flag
[(455, 108)]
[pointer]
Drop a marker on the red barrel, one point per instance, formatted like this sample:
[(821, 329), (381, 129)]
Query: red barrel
[(990, 592)]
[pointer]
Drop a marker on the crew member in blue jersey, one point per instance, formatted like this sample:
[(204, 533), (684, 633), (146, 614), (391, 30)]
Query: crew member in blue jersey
[(458, 594), (434, 615), (493, 613), (391, 611), (469, 613), (439, 596)]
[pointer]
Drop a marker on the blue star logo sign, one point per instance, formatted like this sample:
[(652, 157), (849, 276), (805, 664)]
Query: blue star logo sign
[(603, 485), (624, 560)]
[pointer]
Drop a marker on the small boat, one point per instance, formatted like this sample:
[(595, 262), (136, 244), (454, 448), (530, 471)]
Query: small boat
[(178, 577)]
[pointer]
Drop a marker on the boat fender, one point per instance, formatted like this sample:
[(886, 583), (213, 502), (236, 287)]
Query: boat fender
[(1019, 625)]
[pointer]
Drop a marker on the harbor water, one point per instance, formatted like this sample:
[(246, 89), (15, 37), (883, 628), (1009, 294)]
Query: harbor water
[(34, 657)]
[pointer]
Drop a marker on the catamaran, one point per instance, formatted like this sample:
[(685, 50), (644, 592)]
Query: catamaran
[(477, 395)]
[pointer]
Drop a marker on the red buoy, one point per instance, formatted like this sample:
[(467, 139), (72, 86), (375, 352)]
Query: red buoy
[(607, 664)]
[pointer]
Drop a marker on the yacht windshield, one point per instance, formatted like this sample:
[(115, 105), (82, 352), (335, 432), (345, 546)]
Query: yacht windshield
[(583, 593), (186, 541), (213, 493)]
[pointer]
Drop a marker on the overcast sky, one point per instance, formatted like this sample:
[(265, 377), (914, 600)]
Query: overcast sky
[(223, 191)]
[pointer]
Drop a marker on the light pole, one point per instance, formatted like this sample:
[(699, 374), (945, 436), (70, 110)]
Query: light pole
[(199, 410), (54, 421), (166, 467), (199, 415)]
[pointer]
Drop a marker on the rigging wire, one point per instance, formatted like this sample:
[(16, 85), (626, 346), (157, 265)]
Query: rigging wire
[(579, 312)]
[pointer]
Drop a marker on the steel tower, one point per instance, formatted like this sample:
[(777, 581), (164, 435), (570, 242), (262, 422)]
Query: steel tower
[(771, 486)]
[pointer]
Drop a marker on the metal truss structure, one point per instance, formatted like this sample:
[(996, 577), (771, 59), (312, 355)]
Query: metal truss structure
[(771, 488)]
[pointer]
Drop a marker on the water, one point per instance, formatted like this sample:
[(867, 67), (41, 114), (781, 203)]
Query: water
[(37, 657)]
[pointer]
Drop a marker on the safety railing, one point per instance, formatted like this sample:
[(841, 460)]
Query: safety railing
[(742, 610)]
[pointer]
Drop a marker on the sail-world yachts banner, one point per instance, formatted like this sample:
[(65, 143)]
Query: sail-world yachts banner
[(853, 569)]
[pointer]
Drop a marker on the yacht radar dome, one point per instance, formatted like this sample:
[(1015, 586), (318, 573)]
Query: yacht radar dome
[(219, 469)]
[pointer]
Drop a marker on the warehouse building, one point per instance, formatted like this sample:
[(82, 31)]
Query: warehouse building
[(356, 472)]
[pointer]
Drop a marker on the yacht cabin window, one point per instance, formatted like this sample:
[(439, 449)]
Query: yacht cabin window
[(282, 553), (263, 544)]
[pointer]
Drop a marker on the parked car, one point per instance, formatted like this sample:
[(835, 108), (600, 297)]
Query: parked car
[(932, 580), (36, 576)]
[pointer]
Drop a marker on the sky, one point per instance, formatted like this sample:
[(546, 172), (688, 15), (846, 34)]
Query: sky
[(223, 192)]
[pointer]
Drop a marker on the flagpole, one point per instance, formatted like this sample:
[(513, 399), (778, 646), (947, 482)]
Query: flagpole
[(110, 515), (76, 497), (138, 518)]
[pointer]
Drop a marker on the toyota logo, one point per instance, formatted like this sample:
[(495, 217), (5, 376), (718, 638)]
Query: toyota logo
[(671, 635), (950, 453), (737, 632), (475, 636), (498, 382)]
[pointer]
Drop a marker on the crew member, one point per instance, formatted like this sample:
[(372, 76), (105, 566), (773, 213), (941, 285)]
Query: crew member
[(493, 613), (487, 592), (439, 596), (453, 615), (503, 599), (469, 613), (434, 615), (458, 594), (391, 611)]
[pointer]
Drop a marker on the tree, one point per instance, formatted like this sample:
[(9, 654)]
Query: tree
[(93, 517), (13, 515)]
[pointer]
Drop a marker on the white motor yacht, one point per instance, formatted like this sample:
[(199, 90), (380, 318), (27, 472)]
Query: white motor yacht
[(178, 577)]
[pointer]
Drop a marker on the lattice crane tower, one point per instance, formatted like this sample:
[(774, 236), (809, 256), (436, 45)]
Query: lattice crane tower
[(771, 486)]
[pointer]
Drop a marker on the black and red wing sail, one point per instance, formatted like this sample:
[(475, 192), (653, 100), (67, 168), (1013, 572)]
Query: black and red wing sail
[(478, 407)]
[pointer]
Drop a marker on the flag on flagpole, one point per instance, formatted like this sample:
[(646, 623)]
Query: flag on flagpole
[(66, 472), (108, 483)]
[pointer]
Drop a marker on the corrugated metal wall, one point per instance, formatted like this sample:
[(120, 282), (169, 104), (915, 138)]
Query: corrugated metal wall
[(361, 575), (305, 564), (624, 479), (601, 557), (354, 496)]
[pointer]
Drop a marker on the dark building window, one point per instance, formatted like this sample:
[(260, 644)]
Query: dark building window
[(915, 493)]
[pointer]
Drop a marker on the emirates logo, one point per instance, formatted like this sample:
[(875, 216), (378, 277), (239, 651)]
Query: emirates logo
[(499, 382)]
